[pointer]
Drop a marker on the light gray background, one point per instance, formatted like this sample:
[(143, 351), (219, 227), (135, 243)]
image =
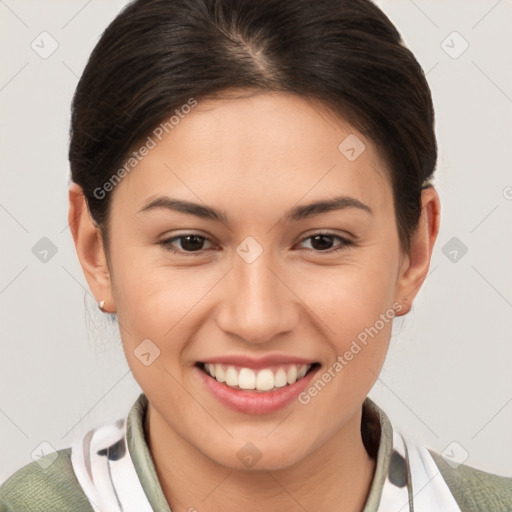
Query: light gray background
[(447, 376)]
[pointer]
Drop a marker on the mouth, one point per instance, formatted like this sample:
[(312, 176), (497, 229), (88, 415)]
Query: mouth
[(261, 380)]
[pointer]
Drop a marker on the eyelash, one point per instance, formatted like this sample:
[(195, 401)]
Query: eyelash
[(166, 244)]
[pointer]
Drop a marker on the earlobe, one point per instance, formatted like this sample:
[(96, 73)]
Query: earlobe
[(89, 247), (415, 266)]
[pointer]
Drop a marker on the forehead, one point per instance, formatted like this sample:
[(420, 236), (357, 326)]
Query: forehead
[(265, 148)]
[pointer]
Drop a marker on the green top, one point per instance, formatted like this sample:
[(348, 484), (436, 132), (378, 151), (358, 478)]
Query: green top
[(57, 489)]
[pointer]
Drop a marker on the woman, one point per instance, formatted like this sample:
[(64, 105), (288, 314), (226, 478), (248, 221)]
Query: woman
[(293, 142)]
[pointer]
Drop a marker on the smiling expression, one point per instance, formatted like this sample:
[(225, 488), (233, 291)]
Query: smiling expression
[(244, 245)]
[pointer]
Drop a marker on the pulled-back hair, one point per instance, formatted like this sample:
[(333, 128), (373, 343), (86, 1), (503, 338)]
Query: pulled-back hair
[(158, 54)]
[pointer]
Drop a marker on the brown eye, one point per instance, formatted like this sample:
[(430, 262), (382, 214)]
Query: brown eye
[(190, 244), (323, 242)]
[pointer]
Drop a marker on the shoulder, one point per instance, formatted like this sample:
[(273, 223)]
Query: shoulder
[(47, 484), (473, 489)]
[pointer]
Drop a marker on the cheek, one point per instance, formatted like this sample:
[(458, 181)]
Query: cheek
[(151, 302), (153, 305), (160, 302), (146, 302), (350, 297), (353, 305)]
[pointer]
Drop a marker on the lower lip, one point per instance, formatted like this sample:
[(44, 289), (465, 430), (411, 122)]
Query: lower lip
[(256, 402)]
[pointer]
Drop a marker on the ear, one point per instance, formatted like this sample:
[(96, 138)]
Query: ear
[(89, 247), (415, 265)]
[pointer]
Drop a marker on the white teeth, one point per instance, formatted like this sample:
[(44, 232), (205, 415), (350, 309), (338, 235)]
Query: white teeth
[(301, 372), (291, 375), (246, 379), (231, 376), (260, 380), (280, 378), (220, 375), (265, 380)]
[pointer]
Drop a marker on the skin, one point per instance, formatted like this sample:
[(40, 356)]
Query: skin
[(255, 157)]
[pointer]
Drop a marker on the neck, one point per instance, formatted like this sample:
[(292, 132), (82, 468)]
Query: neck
[(335, 476)]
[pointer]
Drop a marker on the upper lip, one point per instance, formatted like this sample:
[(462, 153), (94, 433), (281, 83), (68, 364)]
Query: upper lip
[(259, 362)]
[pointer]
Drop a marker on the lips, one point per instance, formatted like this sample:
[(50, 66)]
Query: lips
[(251, 400)]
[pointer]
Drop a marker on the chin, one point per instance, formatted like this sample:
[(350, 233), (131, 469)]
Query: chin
[(256, 455)]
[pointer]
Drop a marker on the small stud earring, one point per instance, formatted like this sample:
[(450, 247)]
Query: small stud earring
[(101, 303)]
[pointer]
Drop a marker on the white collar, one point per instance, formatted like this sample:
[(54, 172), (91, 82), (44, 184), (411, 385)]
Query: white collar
[(406, 478)]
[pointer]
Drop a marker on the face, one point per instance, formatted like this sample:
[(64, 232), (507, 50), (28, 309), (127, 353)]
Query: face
[(247, 278)]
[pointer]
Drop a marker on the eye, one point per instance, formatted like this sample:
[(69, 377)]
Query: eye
[(322, 242), (191, 244)]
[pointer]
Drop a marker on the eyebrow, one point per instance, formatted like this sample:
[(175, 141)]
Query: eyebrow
[(294, 214)]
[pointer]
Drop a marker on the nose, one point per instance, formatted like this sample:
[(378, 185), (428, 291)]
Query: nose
[(258, 303)]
